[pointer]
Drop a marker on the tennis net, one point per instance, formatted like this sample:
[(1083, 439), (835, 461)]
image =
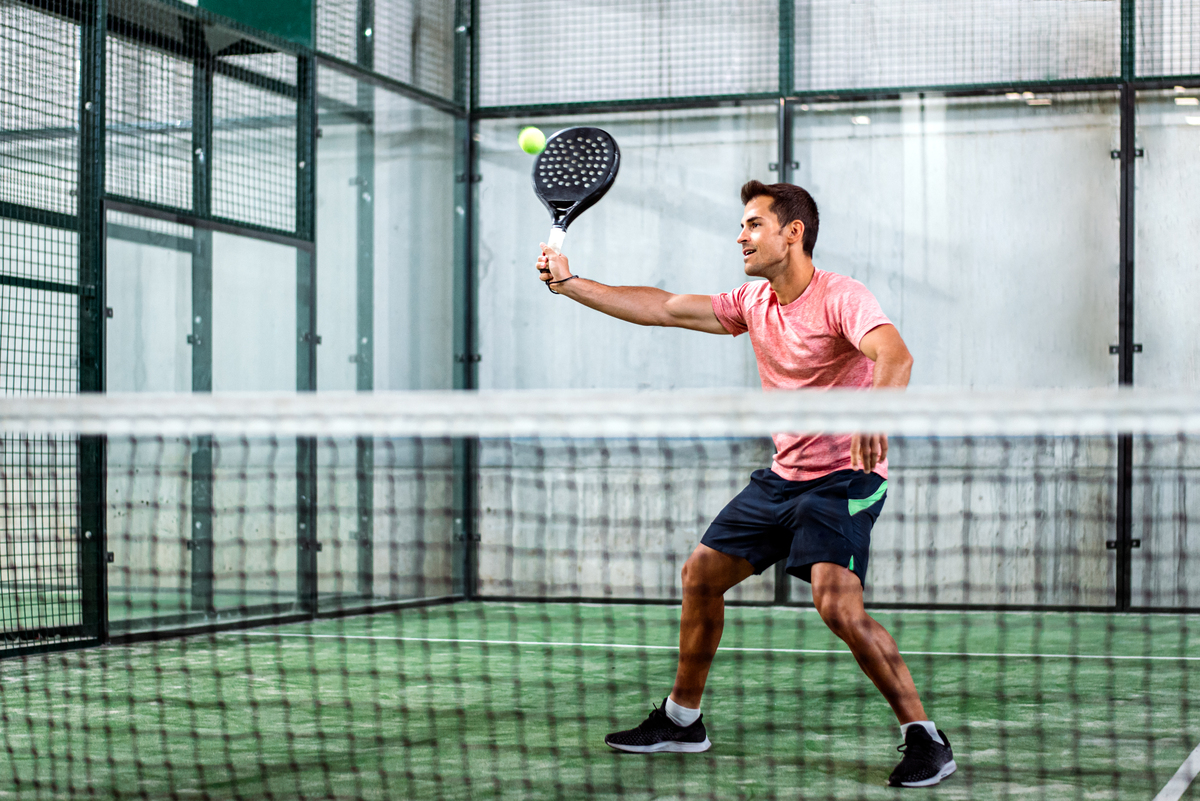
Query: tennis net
[(458, 595)]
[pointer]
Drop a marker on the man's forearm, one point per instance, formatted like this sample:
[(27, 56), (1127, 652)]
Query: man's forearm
[(635, 304)]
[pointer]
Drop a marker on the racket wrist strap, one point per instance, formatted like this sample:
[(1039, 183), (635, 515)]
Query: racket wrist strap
[(550, 284)]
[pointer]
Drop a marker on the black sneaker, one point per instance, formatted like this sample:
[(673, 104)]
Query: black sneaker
[(659, 733), (925, 762)]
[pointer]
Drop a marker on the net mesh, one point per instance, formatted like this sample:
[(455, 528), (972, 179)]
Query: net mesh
[(148, 106), (424, 645), (625, 50), (162, 69), (1168, 38), (39, 115), (410, 40), (39, 321), (640, 50), (254, 153), (901, 43)]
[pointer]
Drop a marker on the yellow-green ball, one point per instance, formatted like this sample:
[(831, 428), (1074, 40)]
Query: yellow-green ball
[(532, 140)]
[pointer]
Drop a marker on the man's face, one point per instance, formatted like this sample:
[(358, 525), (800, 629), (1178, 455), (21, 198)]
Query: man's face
[(764, 242)]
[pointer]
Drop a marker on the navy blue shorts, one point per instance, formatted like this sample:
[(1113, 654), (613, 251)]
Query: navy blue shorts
[(827, 519)]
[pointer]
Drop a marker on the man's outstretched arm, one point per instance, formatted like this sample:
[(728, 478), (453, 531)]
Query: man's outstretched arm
[(893, 365), (643, 305)]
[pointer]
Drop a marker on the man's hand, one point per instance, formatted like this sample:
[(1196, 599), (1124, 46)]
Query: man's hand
[(552, 265), (867, 450)]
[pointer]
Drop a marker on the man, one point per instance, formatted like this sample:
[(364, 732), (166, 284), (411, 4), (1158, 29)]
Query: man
[(816, 505)]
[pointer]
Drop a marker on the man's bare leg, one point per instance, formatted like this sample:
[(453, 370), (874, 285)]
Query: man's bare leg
[(838, 595), (707, 575)]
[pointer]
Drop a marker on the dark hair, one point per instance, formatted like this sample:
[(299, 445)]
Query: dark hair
[(788, 202)]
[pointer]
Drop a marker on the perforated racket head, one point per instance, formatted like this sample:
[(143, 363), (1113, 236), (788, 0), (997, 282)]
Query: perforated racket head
[(574, 171)]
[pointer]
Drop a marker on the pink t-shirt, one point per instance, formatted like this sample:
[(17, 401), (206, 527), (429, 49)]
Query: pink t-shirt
[(810, 342)]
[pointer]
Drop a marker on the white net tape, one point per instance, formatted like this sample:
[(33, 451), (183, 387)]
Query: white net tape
[(689, 413)]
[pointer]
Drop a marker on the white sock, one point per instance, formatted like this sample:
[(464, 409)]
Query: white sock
[(927, 725), (681, 715)]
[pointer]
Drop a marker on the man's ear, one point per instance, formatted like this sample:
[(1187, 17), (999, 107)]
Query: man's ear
[(795, 232)]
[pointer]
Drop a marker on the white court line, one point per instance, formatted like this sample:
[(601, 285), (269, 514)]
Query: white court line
[(1178, 784), (674, 647)]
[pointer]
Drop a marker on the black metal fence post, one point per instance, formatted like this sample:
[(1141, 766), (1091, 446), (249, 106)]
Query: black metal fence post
[(307, 543), (365, 345), (92, 531), (784, 170), (201, 531), (466, 451), (1125, 334)]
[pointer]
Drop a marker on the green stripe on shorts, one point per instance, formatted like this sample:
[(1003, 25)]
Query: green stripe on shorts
[(857, 505)]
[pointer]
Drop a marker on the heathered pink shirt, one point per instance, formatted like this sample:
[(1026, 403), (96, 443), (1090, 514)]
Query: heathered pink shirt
[(810, 342)]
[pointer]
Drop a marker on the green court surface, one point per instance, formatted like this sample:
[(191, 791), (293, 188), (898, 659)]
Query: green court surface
[(498, 700)]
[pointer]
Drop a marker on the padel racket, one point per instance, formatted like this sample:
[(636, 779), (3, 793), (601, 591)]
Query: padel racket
[(572, 174)]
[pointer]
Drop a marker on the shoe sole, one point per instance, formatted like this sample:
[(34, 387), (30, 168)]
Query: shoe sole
[(946, 770), (669, 746)]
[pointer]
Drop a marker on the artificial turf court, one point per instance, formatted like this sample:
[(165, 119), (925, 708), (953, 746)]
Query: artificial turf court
[(491, 700)]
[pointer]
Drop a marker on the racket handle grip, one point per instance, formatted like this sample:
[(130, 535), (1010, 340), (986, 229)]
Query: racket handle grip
[(556, 238)]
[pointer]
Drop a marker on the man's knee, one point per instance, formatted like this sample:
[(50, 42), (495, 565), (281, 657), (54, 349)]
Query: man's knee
[(841, 620), (841, 609), (698, 575), (710, 572)]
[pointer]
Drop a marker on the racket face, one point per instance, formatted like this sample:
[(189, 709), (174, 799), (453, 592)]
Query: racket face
[(574, 171)]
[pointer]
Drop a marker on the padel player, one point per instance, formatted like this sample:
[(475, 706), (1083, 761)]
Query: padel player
[(816, 505)]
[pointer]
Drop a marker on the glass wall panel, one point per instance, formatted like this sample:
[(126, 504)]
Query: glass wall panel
[(385, 222), (1167, 281), (1166, 296), (149, 288), (671, 220), (199, 526), (254, 335), (988, 230), (385, 276)]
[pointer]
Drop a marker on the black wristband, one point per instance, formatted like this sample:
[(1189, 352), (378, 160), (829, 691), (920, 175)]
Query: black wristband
[(550, 284)]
